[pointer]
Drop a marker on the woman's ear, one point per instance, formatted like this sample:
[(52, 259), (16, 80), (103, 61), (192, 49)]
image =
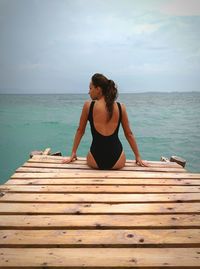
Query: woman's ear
[(99, 90)]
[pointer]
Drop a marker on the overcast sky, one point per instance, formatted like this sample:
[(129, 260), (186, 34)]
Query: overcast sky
[(55, 46)]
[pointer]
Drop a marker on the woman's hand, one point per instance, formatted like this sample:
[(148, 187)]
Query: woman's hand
[(140, 162), (71, 159)]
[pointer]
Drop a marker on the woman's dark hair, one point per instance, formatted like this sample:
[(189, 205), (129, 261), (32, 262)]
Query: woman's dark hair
[(109, 91)]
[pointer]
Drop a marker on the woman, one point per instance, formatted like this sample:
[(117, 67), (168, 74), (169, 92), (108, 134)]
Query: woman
[(105, 116)]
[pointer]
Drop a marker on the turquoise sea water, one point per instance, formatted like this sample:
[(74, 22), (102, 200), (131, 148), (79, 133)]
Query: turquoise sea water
[(164, 124)]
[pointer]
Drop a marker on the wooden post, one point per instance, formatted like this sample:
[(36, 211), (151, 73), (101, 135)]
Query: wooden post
[(164, 159), (178, 160), (57, 153), (36, 152), (47, 151)]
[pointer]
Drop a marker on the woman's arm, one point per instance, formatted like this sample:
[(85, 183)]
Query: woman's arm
[(130, 137), (80, 132)]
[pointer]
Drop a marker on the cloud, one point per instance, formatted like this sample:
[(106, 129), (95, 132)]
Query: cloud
[(32, 66), (146, 28), (181, 8), (58, 44)]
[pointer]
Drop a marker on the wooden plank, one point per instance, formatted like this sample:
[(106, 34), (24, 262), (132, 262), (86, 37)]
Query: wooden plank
[(99, 208), (70, 216), (100, 189), (71, 166), (37, 159), (97, 238), (70, 173), (128, 167), (58, 159), (99, 198), (100, 221), (100, 257), (104, 181)]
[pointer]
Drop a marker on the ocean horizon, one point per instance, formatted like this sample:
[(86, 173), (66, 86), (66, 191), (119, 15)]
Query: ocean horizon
[(75, 93), (164, 124)]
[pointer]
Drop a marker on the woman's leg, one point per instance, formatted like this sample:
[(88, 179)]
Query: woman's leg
[(120, 162), (91, 161)]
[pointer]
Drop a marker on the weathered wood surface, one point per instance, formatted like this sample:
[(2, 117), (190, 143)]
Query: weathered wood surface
[(100, 257), (54, 215)]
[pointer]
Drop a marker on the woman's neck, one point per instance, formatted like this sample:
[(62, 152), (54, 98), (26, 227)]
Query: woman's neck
[(101, 98)]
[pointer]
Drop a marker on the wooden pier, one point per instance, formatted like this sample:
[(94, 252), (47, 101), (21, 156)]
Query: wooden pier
[(55, 215)]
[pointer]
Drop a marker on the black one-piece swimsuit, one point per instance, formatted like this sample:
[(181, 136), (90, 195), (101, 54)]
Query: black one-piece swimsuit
[(106, 150)]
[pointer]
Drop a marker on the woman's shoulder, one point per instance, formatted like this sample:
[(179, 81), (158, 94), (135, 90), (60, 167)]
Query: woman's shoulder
[(121, 104), (87, 105)]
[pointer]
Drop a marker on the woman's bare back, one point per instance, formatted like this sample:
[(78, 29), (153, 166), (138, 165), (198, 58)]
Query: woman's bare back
[(100, 116)]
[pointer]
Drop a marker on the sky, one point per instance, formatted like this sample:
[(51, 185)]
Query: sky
[(55, 46)]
